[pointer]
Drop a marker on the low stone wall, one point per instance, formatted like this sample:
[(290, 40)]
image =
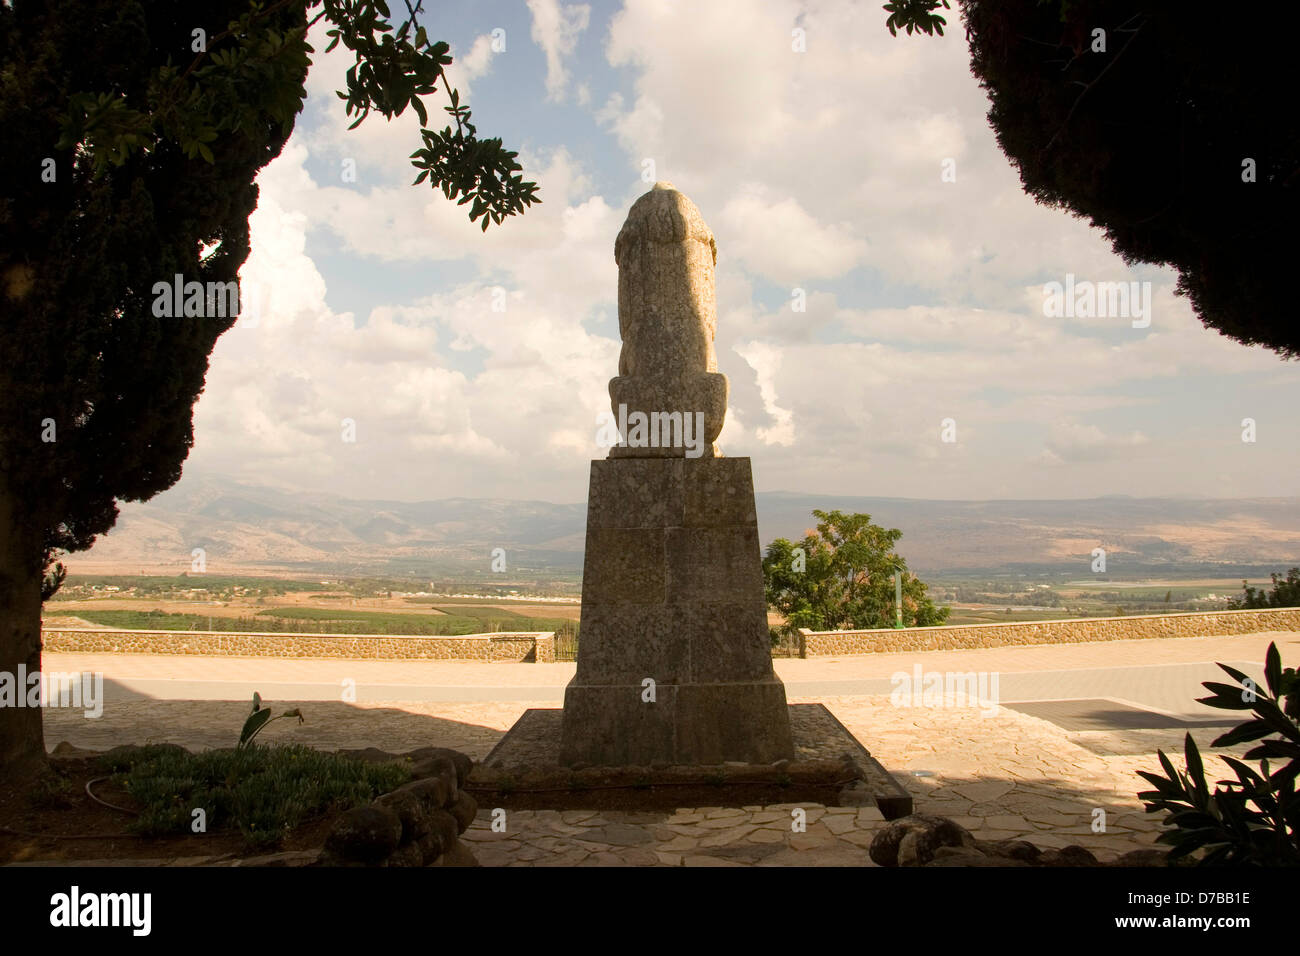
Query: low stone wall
[(506, 646), (960, 636)]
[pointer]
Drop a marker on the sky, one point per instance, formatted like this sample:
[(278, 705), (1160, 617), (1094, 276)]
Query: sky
[(857, 175)]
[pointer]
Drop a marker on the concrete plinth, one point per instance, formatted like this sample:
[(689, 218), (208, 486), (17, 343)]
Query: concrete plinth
[(672, 594)]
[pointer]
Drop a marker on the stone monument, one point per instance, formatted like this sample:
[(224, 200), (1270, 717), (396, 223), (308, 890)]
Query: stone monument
[(674, 661)]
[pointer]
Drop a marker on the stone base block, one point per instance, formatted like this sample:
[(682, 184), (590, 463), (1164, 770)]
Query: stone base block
[(613, 725), (672, 597)]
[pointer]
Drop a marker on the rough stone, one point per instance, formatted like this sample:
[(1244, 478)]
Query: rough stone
[(463, 811), (1145, 857), (365, 834), (912, 840), (410, 854), (410, 809), (433, 792), (1068, 856), (444, 828), (458, 855)]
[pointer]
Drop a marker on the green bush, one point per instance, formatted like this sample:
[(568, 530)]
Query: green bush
[(1255, 819), (265, 792), (1285, 593)]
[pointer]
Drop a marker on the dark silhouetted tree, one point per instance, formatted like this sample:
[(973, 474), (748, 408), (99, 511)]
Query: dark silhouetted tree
[(1168, 125), (133, 130)]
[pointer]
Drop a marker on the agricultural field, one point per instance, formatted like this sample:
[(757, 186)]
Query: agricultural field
[(1040, 598), (372, 606)]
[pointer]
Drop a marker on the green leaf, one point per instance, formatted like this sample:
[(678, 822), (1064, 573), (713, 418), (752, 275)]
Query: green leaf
[(1273, 670), (253, 724), (1226, 697), (1250, 730)]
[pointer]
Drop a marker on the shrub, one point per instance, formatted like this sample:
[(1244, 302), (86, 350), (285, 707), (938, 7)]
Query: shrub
[(1255, 819), (1285, 593), (263, 791)]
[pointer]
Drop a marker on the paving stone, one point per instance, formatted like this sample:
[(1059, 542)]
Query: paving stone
[(993, 835), (1006, 821), (621, 834), (493, 856), (576, 816), (833, 855), (840, 824), (721, 823), (861, 838), (669, 859), (811, 839), (761, 835), (982, 792), (603, 859), (689, 830), (708, 861), (732, 835), (870, 815), (635, 856), (565, 829), (724, 812), (743, 852), (1049, 817), (680, 844)]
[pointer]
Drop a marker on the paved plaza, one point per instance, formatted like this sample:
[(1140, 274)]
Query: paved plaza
[(1001, 771)]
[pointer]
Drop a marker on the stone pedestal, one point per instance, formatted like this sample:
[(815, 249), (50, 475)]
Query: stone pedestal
[(672, 592)]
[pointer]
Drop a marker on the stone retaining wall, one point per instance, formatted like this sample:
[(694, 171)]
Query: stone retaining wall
[(960, 636), (536, 647)]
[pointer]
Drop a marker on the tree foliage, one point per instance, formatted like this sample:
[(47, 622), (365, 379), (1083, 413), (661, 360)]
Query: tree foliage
[(1165, 125), (1285, 593), (152, 148), (133, 132), (840, 576)]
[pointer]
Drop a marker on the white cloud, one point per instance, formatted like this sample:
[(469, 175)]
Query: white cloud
[(556, 28), (765, 360), (1073, 442), (821, 170), (779, 240)]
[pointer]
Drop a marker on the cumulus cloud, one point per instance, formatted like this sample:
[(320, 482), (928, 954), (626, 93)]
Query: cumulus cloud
[(556, 28), (822, 170), (1073, 442)]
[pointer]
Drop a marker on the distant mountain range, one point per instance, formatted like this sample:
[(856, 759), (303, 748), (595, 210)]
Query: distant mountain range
[(244, 527)]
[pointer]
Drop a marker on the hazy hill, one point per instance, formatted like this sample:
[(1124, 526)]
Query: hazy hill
[(245, 527)]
